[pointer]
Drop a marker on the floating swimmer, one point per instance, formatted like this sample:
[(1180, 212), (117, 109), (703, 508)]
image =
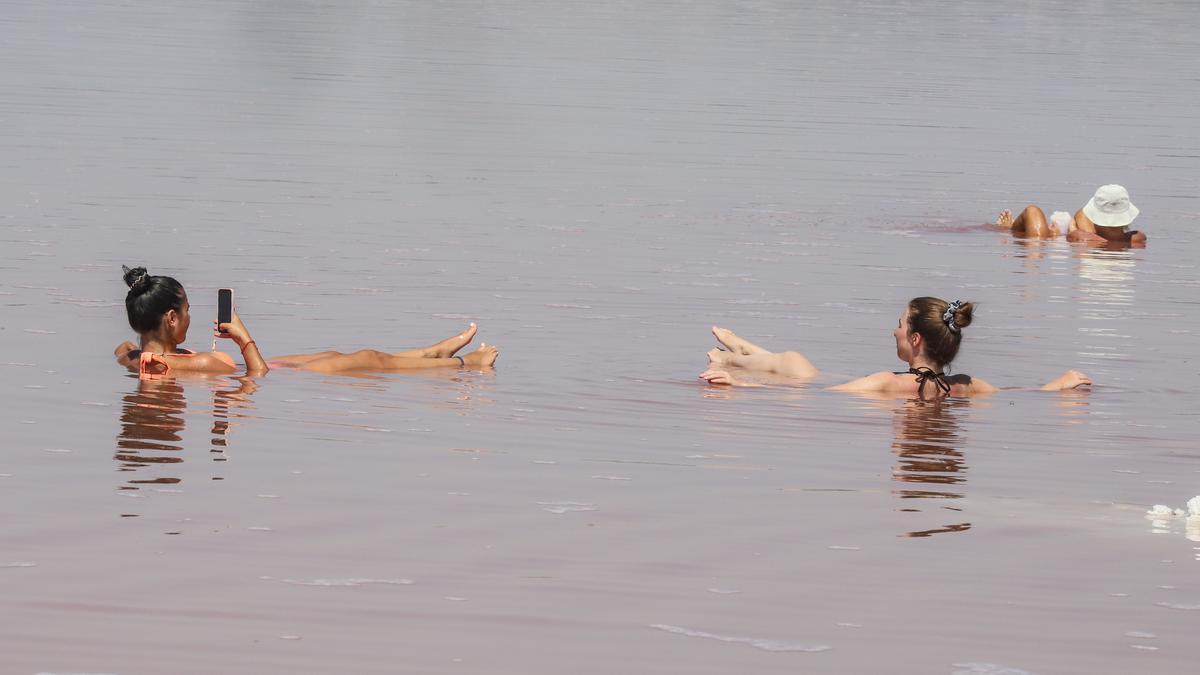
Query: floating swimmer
[(159, 312), (927, 335), (1104, 219)]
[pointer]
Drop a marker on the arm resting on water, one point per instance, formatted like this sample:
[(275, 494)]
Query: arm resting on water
[(1072, 379), (122, 353)]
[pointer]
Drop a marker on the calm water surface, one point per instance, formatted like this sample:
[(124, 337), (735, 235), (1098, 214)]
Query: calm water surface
[(595, 185)]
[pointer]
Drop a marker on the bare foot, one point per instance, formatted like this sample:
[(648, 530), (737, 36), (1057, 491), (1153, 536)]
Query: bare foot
[(714, 376), (735, 343), (717, 376), (1005, 219), (450, 346), (717, 357), (482, 357)]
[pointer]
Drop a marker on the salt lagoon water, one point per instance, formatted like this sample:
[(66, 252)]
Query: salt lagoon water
[(595, 185)]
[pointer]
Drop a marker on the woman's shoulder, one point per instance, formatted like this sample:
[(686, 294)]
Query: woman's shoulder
[(183, 359), (962, 384), (884, 380)]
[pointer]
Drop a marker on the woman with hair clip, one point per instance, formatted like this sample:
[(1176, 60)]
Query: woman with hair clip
[(928, 335), (158, 311)]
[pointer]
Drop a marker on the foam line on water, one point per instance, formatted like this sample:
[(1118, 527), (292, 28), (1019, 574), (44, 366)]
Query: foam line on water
[(757, 643)]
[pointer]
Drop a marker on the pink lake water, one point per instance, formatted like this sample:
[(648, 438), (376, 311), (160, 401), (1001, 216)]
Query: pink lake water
[(596, 185)]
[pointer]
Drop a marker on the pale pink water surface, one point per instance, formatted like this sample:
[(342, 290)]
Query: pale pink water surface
[(595, 185)]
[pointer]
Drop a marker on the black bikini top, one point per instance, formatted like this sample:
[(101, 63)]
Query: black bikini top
[(924, 375)]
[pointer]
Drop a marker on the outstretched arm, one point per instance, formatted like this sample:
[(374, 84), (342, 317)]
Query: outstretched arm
[(1083, 229), (122, 353)]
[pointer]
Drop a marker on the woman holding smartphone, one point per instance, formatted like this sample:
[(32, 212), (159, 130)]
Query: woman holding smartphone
[(158, 310)]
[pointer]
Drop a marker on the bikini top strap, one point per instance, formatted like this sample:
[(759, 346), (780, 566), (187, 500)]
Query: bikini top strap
[(925, 374), (147, 363)]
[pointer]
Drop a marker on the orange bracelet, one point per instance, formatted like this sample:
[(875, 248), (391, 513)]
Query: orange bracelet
[(247, 345)]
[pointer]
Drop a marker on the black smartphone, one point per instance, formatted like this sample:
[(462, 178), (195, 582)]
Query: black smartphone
[(224, 305)]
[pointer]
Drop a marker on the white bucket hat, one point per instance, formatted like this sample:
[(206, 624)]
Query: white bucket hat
[(1110, 207)]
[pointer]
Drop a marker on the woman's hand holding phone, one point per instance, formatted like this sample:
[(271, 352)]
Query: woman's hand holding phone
[(234, 330)]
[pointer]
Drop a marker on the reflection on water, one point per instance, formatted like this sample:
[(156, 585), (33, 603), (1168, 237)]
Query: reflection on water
[(153, 424), (927, 436), (226, 404), (370, 172), (151, 429), (1106, 277)]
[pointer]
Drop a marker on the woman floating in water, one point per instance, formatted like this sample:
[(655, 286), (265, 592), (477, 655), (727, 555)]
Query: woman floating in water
[(1104, 219), (927, 338), (159, 312)]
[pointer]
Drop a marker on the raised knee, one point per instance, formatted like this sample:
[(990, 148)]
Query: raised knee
[(1033, 211), (797, 365)]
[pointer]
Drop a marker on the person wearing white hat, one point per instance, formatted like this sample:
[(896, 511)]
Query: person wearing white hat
[(1104, 219)]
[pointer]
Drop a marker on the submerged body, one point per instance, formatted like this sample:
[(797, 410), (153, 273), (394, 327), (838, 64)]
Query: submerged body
[(1103, 220), (158, 310), (927, 338)]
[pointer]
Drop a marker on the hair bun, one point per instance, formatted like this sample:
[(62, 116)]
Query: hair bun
[(137, 278), (963, 313)]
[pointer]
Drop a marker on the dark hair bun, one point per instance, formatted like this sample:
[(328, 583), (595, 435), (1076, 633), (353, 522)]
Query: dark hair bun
[(962, 318), (137, 278)]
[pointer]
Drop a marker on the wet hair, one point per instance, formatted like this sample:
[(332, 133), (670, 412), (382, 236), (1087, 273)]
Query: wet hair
[(149, 298), (942, 330)]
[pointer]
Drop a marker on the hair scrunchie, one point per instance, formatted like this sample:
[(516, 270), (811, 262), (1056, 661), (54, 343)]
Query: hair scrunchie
[(948, 315), (136, 278)]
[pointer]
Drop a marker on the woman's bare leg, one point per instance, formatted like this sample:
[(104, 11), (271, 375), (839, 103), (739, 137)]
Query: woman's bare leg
[(788, 364), (735, 343), (439, 350), (370, 359), (444, 349), (297, 360), (1031, 222)]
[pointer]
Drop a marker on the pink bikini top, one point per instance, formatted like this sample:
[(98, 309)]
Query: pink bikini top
[(152, 366)]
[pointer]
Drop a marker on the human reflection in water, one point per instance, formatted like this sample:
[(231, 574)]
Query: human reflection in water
[(1107, 279), (153, 421), (930, 466)]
